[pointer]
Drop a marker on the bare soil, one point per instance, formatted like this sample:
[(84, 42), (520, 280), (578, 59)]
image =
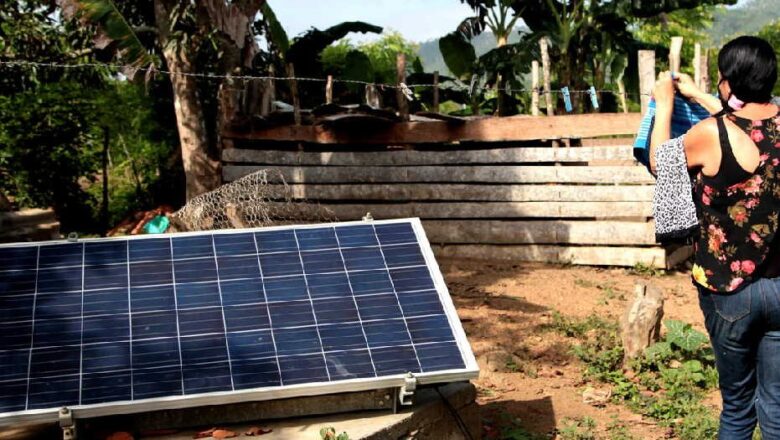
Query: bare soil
[(528, 373)]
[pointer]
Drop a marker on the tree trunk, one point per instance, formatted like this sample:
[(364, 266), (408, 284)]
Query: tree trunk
[(203, 174)]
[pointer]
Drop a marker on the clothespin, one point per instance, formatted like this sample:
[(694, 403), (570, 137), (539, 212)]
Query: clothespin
[(406, 91), (567, 99), (473, 84), (594, 99)]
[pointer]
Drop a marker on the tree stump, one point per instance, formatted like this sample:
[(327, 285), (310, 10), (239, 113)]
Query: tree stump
[(641, 322)]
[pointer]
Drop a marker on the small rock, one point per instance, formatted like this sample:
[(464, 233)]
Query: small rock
[(595, 397)]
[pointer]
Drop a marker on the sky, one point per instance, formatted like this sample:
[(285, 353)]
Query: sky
[(417, 20)]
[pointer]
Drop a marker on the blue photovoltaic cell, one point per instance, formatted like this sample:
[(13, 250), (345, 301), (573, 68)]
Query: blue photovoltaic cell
[(125, 320)]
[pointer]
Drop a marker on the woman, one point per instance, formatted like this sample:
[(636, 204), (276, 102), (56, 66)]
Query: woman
[(735, 157)]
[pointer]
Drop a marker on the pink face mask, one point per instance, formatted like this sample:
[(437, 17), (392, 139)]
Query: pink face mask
[(735, 103)]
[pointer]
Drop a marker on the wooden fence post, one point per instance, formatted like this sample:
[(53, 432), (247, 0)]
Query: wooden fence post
[(269, 94), (697, 64), (329, 90), (372, 96), (543, 44), (294, 91), (646, 77), (704, 68), (622, 95), (674, 54), (535, 88), (403, 106), (436, 92)]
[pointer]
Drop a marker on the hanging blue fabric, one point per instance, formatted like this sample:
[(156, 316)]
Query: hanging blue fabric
[(566, 99), (685, 115)]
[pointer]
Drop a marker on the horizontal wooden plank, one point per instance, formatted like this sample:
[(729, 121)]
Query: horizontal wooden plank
[(582, 255), (540, 232), (516, 128), (606, 175), (412, 157), (401, 192), (25, 217), (495, 210)]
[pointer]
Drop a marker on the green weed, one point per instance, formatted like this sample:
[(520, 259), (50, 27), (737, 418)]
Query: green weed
[(329, 433), (644, 270), (583, 428)]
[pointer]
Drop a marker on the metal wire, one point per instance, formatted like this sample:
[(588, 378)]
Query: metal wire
[(402, 86)]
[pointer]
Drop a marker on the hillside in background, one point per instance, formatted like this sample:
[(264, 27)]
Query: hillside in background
[(746, 19), (431, 56)]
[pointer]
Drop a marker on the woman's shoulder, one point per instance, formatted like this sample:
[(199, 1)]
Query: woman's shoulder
[(703, 133)]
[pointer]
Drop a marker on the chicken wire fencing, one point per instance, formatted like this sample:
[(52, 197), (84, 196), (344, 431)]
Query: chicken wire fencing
[(262, 198)]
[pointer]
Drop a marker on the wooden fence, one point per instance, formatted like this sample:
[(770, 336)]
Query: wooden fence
[(555, 189)]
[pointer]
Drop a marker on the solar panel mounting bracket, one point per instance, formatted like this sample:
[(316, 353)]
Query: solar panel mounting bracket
[(406, 391), (67, 423)]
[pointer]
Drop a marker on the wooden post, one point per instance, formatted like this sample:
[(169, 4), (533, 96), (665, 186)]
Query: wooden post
[(436, 92), (697, 64), (329, 90), (403, 106), (646, 77), (622, 95), (104, 207), (704, 69), (535, 88), (674, 54), (269, 94), (543, 44), (294, 91), (372, 96)]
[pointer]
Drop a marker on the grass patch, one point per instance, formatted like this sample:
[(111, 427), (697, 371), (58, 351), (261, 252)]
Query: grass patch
[(667, 384)]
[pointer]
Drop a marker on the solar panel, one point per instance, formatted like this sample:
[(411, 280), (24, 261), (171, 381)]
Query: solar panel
[(122, 325)]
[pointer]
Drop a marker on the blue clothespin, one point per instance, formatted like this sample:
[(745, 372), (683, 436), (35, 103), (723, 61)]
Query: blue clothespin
[(567, 99), (594, 99)]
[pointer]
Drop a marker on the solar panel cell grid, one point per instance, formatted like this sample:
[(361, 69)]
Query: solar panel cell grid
[(127, 320)]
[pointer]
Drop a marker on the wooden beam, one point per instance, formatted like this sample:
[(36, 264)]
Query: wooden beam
[(400, 192), (412, 157), (329, 90), (403, 105), (540, 232), (294, 92), (535, 88), (583, 255), (697, 64), (603, 175), (435, 107), (646, 77), (493, 210), (544, 42), (704, 69), (674, 54), (507, 129)]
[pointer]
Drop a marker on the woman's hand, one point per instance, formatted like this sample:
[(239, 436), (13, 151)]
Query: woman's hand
[(663, 93), (687, 86)]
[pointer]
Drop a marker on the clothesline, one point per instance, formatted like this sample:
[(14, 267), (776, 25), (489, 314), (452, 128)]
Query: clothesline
[(471, 88)]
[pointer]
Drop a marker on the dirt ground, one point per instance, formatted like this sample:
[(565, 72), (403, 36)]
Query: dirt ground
[(505, 307)]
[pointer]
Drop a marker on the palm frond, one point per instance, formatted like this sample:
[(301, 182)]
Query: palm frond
[(112, 26)]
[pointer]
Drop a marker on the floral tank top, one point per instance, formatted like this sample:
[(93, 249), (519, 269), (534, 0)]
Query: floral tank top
[(738, 211)]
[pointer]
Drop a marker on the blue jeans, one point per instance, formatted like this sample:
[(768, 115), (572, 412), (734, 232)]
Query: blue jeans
[(745, 333)]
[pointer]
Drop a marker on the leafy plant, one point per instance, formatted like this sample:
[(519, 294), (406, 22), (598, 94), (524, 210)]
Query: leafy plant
[(583, 428), (329, 433)]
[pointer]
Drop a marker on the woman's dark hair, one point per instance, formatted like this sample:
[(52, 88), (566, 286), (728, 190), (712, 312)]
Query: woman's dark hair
[(750, 66)]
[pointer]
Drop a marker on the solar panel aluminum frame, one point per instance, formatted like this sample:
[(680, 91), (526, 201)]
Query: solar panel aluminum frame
[(471, 370)]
